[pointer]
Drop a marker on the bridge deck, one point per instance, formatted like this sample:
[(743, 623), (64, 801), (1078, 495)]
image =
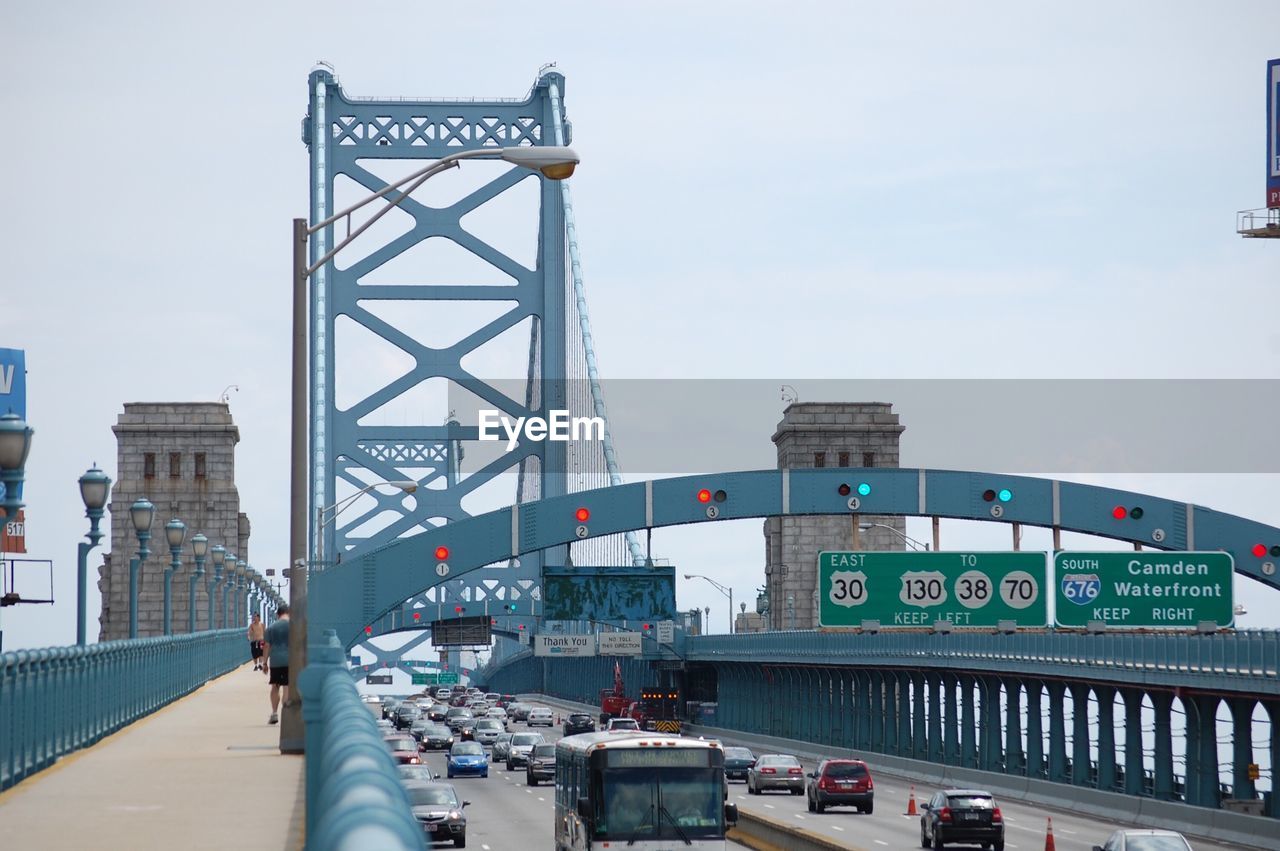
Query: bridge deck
[(203, 772)]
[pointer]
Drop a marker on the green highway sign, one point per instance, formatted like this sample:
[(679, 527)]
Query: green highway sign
[(915, 589), (444, 678), (1144, 590), (423, 679), (447, 678)]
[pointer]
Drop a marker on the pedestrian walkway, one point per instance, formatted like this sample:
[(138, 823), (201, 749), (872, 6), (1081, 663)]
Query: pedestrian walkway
[(203, 772)]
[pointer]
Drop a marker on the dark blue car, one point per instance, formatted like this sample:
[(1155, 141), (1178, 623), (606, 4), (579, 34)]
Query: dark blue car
[(468, 758)]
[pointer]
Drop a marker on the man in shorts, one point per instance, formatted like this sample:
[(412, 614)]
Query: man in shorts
[(277, 660), (256, 631)]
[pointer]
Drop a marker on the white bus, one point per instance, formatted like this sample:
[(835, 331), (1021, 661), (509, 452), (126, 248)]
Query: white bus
[(644, 791)]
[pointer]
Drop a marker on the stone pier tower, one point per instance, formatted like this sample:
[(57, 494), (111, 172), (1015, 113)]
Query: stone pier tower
[(825, 434), (181, 456)]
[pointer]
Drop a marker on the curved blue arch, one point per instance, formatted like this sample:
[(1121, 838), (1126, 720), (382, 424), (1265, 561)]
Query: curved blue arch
[(350, 595)]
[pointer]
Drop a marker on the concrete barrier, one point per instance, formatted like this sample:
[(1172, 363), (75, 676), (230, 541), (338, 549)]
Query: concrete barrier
[(765, 834)]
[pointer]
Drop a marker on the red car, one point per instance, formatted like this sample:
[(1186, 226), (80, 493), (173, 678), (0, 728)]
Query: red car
[(841, 783), (404, 749)]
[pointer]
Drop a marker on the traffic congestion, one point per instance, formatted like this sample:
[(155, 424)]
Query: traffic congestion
[(481, 768)]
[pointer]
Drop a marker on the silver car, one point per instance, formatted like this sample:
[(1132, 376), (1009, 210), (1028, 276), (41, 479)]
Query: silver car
[(775, 771), (520, 748), (540, 716), (486, 730), (1145, 840)]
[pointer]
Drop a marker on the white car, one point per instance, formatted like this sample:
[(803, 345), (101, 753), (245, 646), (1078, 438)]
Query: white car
[(498, 714), (541, 716), (487, 730), (623, 725)]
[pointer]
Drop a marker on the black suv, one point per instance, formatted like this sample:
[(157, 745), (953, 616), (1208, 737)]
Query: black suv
[(961, 815), (579, 722)]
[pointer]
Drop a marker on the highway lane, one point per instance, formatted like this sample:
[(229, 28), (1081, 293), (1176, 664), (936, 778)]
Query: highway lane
[(889, 828)]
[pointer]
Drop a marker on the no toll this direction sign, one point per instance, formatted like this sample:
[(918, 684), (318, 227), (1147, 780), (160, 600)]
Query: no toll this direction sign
[(1144, 590), (914, 589)]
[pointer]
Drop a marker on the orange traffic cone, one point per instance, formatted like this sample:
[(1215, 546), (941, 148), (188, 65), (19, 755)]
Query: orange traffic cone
[(911, 803), (1049, 844)]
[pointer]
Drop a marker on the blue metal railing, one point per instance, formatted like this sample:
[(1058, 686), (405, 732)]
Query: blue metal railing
[(1246, 660), (354, 797), (58, 699)]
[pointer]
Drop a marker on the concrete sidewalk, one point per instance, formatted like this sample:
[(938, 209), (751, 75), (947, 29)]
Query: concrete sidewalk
[(203, 772)]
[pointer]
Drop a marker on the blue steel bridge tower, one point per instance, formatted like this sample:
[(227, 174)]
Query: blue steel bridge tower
[(387, 335)]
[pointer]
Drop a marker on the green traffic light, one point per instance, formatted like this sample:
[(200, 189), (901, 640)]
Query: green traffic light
[(864, 489), (1005, 494)]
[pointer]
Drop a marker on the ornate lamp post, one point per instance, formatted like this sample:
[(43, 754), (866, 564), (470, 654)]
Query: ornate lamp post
[(242, 580), (95, 489), (175, 532), (219, 554), (141, 513), (226, 586), (199, 546), (15, 445)]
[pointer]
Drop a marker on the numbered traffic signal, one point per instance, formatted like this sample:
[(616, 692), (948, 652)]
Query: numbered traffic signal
[(522, 626), (1120, 512), (582, 515), (863, 488), (368, 630), (417, 616), (442, 553), (457, 610), (706, 495), (991, 495), (1261, 551), (646, 627), (509, 607)]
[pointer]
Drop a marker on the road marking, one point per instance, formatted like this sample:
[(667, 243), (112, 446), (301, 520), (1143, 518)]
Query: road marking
[(770, 807), (1064, 830), (540, 798), (797, 815), (881, 842), (837, 827), (485, 847), (742, 797)]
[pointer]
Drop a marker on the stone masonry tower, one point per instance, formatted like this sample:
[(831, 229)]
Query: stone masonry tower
[(181, 456), (825, 434)]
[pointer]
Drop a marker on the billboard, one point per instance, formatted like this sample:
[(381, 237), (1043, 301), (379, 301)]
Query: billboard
[(462, 632), (13, 382), (1273, 133), (564, 645)]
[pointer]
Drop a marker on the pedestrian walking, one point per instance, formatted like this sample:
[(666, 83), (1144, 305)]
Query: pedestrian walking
[(256, 635), (276, 656)]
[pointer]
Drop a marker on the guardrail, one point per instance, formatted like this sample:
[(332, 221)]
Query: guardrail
[(354, 796), (56, 700)]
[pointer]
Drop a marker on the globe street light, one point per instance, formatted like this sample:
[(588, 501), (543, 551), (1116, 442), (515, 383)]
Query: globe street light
[(15, 445), (242, 574), (728, 591), (554, 163), (95, 489), (141, 513), (199, 546), (175, 532), (219, 554)]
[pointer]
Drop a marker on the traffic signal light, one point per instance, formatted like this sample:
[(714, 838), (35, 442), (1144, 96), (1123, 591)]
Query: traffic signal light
[(583, 515), (509, 607), (521, 626), (368, 630), (991, 495), (457, 610), (1120, 512), (417, 616), (442, 553), (706, 495), (864, 489), (646, 627), (1261, 551)]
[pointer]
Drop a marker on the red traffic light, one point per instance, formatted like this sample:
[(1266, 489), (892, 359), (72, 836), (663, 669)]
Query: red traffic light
[(1260, 550), (583, 515), (442, 553), (368, 630), (704, 495), (1119, 512), (417, 616), (522, 626), (457, 609)]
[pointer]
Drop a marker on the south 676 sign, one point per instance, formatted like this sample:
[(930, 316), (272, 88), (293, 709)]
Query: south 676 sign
[(914, 589)]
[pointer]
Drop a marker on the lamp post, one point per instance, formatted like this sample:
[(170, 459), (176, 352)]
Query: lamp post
[(175, 533), (230, 576), (727, 591), (242, 578), (95, 489), (906, 539), (555, 163), (15, 446), (325, 516), (199, 546), (219, 556), (141, 513)]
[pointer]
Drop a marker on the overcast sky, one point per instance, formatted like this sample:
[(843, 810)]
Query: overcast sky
[(857, 190)]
